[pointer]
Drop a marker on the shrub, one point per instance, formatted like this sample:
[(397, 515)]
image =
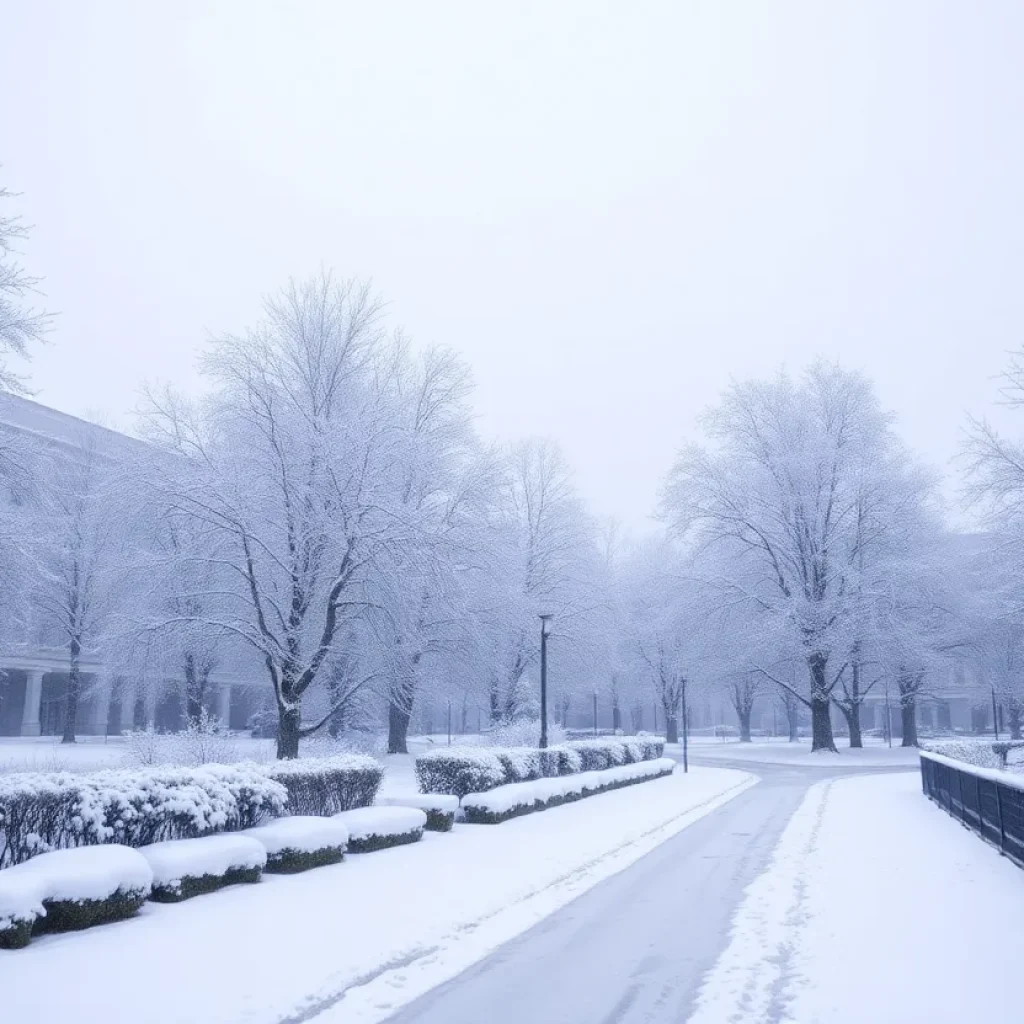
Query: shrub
[(511, 801), (326, 786), (596, 755), (183, 868), (439, 808), (458, 771), (40, 813), (521, 764), (300, 843), (71, 889), (376, 828), (523, 732)]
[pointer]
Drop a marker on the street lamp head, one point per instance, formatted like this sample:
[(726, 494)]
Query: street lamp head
[(545, 618)]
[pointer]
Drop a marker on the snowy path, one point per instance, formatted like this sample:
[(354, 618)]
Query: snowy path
[(879, 906), (634, 948)]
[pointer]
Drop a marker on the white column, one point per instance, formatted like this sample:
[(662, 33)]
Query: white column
[(224, 705), (33, 697), (127, 706), (102, 687)]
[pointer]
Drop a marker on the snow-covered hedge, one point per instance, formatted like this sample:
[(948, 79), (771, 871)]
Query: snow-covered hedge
[(439, 808), (183, 868), (461, 770), (505, 802), (301, 842), (44, 812), (71, 889), (375, 828), (977, 752), (40, 812), (328, 785), (457, 771)]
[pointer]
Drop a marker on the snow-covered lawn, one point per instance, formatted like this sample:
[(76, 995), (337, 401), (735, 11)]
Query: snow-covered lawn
[(874, 753), (385, 926), (877, 906)]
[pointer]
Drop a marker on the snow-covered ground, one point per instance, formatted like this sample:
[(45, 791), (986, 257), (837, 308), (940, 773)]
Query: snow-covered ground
[(358, 939), (874, 754), (877, 906)]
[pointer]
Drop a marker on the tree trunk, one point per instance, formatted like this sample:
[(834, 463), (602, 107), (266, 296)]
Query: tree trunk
[(851, 712), (195, 691), (821, 720), (288, 725), (1013, 709), (495, 702), (671, 729), (398, 728), (74, 687), (793, 720), (908, 719), (616, 717), (744, 717)]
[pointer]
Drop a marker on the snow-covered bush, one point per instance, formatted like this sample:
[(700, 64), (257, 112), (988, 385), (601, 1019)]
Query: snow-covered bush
[(301, 842), (521, 764), (326, 786), (462, 770), (376, 828), (71, 889), (560, 760), (459, 770), (599, 754), (201, 742), (183, 868), (439, 808), (39, 812), (511, 801), (523, 732)]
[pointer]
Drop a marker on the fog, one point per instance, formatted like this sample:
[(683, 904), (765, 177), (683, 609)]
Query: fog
[(609, 210)]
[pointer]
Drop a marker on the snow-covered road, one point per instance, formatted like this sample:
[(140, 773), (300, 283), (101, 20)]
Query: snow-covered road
[(634, 948)]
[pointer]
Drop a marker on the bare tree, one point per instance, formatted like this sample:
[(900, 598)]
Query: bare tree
[(294, 467), (79, 527), (20, 325), (779, 493)]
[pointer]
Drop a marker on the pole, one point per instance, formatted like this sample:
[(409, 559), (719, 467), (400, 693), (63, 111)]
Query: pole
[(595, 712), (449, 723), (995, 715), (544, 681), (655, 718), (686, 730), (888, 715)]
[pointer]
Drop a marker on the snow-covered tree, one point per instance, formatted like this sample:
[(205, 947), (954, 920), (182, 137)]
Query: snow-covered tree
[(295, 466), (789, 473), (21, 325)]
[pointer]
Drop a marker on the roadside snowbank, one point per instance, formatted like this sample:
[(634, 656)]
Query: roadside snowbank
[(339, 933), (871, 881)]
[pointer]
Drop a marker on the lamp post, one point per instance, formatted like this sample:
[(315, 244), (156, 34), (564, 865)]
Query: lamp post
[(995, 715), (544, 619), (595, 712)]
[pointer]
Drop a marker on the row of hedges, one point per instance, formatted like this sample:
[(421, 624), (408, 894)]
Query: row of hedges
[(518, 798), (40, 812), (461, 770), (67, 890)]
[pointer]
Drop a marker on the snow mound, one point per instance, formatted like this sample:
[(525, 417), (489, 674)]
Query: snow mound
[(21, 899), (302, 834), (85, 872), (177, 859), (367, 822), (424, 801)]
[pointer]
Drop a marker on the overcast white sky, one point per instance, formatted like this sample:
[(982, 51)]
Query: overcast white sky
[(609, 209)]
